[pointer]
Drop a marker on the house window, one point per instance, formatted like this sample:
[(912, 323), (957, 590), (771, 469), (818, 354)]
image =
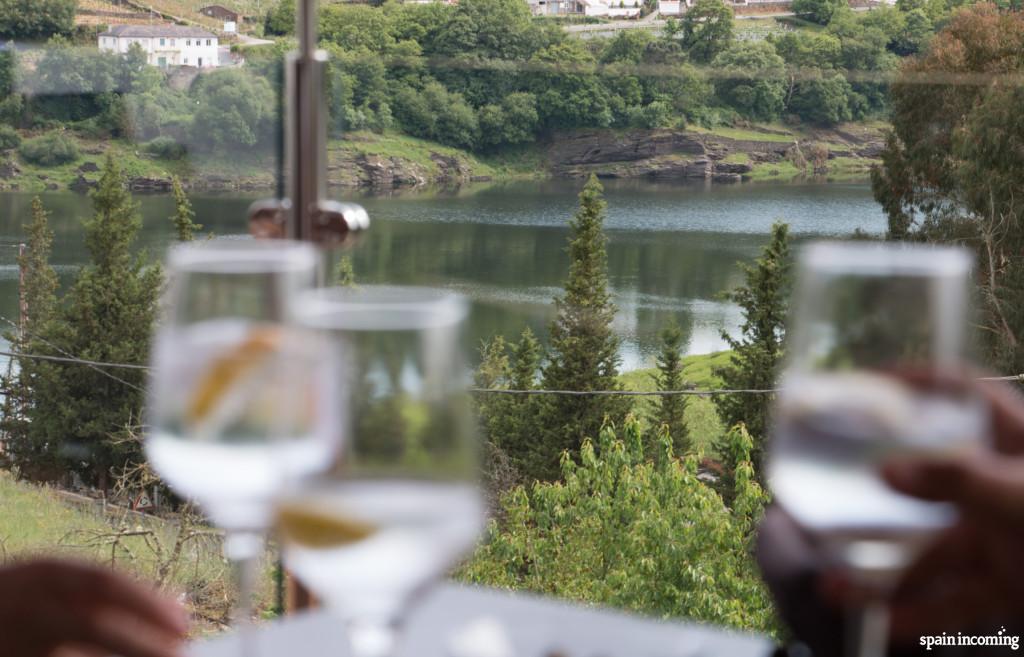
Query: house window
[(207, 42), (162, 43), (188, 42)]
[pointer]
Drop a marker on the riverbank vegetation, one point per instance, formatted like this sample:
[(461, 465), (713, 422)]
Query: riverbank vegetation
[(481, 76)]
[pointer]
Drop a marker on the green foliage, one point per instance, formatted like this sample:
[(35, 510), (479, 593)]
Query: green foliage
[(184, 219), (344, 273), (107, 316), (234, 110), (635, 530), (36, 20), (752, 79), (166, 148), (583, 347), (33, 454), (51, 149), (819, 11), (509, 421), (952, 166), (280, 19), (758, 350), (823, 101), (671, 411), (9, 138), (707, 30)]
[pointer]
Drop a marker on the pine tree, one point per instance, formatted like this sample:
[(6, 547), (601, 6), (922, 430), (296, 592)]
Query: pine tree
[(584, 349), (509, 421), (107, 316), (34, 458), (345, 274), (184, 218), (757, 352), (672, 408)]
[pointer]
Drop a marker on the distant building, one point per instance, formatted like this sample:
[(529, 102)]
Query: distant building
[(607, 8), (164, 45), (221, 13), (673, 7)]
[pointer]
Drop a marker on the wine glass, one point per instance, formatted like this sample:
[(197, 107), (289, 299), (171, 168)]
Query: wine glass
[(404, 503), (238, 398), (869, 319)]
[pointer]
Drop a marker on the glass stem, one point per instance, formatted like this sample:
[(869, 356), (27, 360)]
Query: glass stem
[(243, 550), (372, 638), (868, 630)]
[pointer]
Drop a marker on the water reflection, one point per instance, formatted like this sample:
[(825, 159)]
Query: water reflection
[(672, 249)]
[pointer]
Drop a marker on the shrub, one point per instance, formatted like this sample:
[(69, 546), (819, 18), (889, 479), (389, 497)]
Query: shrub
[(49, 150), (9, 138), (166, 148)]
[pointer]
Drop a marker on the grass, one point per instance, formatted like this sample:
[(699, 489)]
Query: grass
[(778, 171), (411, 149), (850, 168), (737, 158), (702, 419), (743, 134), (36, 520)]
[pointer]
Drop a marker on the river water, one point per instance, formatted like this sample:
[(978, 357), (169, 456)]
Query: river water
[(672, 249)]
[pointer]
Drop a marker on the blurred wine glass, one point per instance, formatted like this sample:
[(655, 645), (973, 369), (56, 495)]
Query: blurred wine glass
[(240, 398), (867, 320), (404, 504)]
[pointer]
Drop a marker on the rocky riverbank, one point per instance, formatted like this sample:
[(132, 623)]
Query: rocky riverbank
[(386, 162)]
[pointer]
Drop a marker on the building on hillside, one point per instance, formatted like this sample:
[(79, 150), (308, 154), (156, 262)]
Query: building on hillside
[(606, 8), (673, 7), (165, 45), (221, 13)]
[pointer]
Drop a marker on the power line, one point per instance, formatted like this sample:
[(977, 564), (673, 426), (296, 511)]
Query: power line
[(80, 361), (629, 393)]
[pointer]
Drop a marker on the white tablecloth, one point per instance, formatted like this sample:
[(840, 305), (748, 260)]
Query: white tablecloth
[(534, 626)]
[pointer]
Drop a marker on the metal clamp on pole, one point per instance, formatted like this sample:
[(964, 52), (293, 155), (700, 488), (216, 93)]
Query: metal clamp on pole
[(305, 213)]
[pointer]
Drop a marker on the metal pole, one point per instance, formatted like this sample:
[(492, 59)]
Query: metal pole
[(305, 213)]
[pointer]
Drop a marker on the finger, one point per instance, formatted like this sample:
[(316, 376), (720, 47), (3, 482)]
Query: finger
[(115, 631), (117, 591), (984, 486), (953, 608), (953, 551)]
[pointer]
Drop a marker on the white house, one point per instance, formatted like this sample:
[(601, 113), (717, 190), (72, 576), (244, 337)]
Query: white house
[(164, 45), (612, 8), (672, 7)]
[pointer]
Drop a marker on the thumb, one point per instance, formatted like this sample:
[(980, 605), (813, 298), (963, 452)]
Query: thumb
[(985, 485)]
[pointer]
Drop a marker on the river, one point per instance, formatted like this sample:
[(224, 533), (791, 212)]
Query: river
[(672, 249)]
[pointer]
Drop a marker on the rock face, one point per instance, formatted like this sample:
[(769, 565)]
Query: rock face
[(657, 154)]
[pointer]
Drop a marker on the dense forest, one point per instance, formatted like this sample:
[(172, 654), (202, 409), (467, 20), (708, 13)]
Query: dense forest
[(480, 75)]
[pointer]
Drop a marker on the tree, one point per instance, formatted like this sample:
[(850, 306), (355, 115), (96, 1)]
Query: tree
[(107, 316), (36, 20), (752, 80), (757, 352), (824, 101), (952, 165), (280, 19), (35, 456), (185, 225), (634, 529), (12, 103), (583, 347), (234, 110), (707, 30), (671, 409), (345, 274), (819, 11), (509, 421)]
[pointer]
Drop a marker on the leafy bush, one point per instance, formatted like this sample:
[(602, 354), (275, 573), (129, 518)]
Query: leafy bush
[(636, 531), (50, 150), (166, 148), (9, 138)]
